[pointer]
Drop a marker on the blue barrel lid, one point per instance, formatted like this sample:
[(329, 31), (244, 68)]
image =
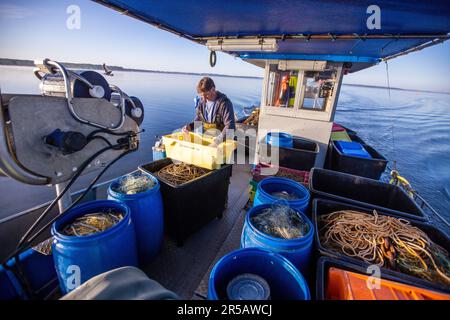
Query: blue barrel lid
[(280, 139), (353, 148), (280, 135), (248, 286)]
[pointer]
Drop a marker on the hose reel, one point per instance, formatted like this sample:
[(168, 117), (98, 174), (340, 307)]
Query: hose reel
[(92, 85), (56, 80)]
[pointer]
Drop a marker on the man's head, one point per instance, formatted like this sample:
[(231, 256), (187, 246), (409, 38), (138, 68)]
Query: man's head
[(207, 89)]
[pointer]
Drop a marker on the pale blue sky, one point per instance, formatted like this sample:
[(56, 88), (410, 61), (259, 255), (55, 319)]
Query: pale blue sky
[(37, 29)]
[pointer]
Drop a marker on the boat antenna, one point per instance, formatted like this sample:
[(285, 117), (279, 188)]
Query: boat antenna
[(387, 76), (393, 120)]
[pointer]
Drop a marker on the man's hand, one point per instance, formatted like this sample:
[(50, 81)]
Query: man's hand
[(216, 142), (185, 129)]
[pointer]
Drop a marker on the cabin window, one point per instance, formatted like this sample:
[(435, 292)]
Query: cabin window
[(301, 88), (284, 88), (317, 89)]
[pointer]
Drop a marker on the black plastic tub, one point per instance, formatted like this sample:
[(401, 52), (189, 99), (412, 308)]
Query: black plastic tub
[(325, 263), (356, 138), (364, 192), (365, 167), (302, 156), (190, 206), (325, 206)]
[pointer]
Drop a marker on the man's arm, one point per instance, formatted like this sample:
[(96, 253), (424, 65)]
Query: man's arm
[(197, 117)]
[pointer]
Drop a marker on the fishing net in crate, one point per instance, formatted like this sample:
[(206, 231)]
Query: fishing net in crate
[(280, 221)]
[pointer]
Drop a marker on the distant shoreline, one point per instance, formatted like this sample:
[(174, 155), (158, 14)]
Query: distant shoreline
[(87, 66)]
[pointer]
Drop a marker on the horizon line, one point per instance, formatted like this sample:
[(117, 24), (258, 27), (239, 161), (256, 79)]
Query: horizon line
[(72, 65)]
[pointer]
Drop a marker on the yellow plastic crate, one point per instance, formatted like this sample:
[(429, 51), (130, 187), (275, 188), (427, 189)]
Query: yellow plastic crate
[(194, 149), (340, 136)]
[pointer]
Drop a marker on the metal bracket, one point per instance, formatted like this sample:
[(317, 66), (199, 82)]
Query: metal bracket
[(8, 165)]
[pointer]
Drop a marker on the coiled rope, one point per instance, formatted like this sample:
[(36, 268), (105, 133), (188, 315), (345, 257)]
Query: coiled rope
[(385, 241), (180, 173)]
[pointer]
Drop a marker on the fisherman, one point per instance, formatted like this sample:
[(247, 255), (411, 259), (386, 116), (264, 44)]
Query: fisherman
[(214, 110)]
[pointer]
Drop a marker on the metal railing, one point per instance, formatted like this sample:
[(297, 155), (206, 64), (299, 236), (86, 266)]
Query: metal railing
[(422, 203)]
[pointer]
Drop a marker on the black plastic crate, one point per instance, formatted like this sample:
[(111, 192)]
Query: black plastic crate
[(364, 192), (371, 168), (325, 263), (302, 156), (325, 206), (190, 206)]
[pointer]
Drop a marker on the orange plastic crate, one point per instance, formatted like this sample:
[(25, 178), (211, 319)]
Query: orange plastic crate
[(346, 285)]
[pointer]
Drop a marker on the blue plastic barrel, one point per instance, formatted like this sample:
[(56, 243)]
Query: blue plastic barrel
[(8, 290), (279, 139), (147, 215), (284, 280), (298, 251), (271, 185), (77, 259)]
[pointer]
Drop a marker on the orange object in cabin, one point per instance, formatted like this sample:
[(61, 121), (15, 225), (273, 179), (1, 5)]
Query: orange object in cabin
[(346, 285), (282, 99)]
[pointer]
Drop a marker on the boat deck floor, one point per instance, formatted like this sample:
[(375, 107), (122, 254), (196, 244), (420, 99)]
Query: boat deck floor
[(185, 270)]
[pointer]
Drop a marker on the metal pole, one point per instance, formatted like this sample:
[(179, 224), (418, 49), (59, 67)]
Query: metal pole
[(66, 199)]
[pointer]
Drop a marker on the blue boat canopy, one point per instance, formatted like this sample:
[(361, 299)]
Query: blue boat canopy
[(348, 31)]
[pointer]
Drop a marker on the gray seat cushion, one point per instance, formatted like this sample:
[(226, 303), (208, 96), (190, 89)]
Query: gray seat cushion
[(126, 283)]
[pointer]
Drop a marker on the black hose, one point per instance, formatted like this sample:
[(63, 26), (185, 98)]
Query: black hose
[(55, 201), (18, 271), (109, 132), (27, 240), (38, 233), (100, 138), (90, 137)]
